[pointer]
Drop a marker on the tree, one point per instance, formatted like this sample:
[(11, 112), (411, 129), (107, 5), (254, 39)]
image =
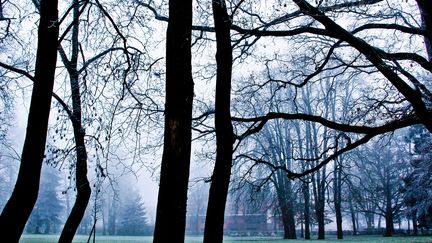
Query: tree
[(382, 165), (326, 54), (417, 184), (82, 183), (220, 179), (174, 175), (47, 213), (133, 218), (418, 94), (19, 206), (276, 145)]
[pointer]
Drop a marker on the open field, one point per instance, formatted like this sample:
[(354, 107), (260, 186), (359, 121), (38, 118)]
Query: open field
[(135, 239)]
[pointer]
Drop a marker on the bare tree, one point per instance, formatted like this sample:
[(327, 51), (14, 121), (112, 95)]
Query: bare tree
[(224, 132), (24, 195), (82, 183), (382, 167)]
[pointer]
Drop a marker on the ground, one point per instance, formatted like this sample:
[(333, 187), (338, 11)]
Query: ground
[(135, 239)]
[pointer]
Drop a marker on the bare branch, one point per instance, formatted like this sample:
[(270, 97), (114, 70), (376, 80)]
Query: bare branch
[(17, 70), (388, 127)]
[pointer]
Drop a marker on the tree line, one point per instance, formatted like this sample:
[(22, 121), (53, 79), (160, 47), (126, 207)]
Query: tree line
[(337, 73)]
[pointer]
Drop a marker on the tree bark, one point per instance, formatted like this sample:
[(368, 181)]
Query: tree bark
[(337, 184), (389, 230), (289, 229), (213, 231), (24, 196), (306, 196), (321, 224), (171, 207), (389, 224), (82, 183), (284, 192)]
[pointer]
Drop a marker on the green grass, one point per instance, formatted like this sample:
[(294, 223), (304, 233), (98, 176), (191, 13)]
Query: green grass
[(148, 239)]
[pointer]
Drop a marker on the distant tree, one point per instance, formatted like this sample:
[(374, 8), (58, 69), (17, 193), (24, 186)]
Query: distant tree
[(47, 213), (278, 150), (133, 217), (86, 222), (113, 208), (382, 166), (197, 199), (418, 183), (8, 169)]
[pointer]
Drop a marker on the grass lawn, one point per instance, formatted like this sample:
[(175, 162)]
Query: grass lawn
[(135, 239)]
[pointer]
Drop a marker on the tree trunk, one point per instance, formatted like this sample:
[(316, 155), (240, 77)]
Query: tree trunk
[(306, 210), (337, 198), (370, 220), (302, 225), (286, 209), (353, 218), (171, 207), (213, 231), (339, 220), (82, 183), (379, 222), (290, 233), (389, 230), (415, 228), (18, 208), (320, 204), (321, 223)]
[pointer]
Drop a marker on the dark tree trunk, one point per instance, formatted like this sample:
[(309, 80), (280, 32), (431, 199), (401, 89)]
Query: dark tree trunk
[(337, 184), (17, 210), (306, 210), (302, 225), (286, 209), (321, 223), (285, 218), (82, 183), (171, 209), (389, 216), (415, 228), (285, 197), (339, 220), (320, 204), (389, 230), (290, 231), (389, 225), (213, 232)]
